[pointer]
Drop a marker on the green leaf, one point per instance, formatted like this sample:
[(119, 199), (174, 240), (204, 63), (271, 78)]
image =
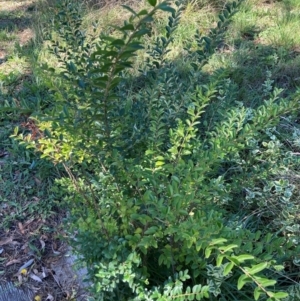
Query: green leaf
[(47, 133), (217, 241), (208, 252), (140, 33), (278, 267), (118, 42), (151, 230), (135, 46), (257, 293), (129, 9), (221, 17), (270, 294), (207, 40), (165, 7), (243, 257), (257, 268), (227, 248), (257, 235), (16, 130), (234, 260), (142, 12), (219, 260), (243, 279), (152, 2), (229, 266), (159, 163), (268, 237), (226, 14), (161, 259), (265, 281), (127, 27), (280, 295)]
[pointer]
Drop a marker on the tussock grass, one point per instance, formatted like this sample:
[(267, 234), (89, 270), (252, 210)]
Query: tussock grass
[(283, 33)]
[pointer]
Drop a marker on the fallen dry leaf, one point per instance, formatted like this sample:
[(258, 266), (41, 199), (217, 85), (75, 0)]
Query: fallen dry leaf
[(42, 244), (45, 272), (25, 246), (28, 222), (49, 298), (13, 261), (26, 265), (21, 228), (35, 277), (6, 241), (20, 279)]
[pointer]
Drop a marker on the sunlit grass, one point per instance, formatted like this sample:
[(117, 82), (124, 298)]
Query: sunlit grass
[(283, 33), (7, 36), (15, 64)]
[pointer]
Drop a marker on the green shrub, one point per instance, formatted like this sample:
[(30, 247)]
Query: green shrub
[(158, 190)]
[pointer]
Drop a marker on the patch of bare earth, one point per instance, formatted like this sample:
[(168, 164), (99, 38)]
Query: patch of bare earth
[(2, 55), (34, 260), (25, 36), (10, 6), (12, 19)]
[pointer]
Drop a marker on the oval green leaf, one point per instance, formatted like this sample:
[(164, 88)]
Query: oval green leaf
[(228, 268), (257, 268), (152, 2)]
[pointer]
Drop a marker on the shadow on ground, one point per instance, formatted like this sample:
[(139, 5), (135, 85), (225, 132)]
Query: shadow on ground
[(17, 17), (15, 25)]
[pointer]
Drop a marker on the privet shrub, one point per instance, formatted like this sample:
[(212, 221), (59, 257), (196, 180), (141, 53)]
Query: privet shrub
[(162, 195)]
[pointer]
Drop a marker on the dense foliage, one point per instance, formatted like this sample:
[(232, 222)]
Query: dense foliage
[(176, 189)]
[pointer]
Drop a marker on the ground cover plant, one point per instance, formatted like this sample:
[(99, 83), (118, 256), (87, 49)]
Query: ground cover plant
[(181, 146)]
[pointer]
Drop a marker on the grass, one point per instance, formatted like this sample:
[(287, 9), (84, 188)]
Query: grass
[(6, 36), (260, 38), (261, 44), (28, 201)]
